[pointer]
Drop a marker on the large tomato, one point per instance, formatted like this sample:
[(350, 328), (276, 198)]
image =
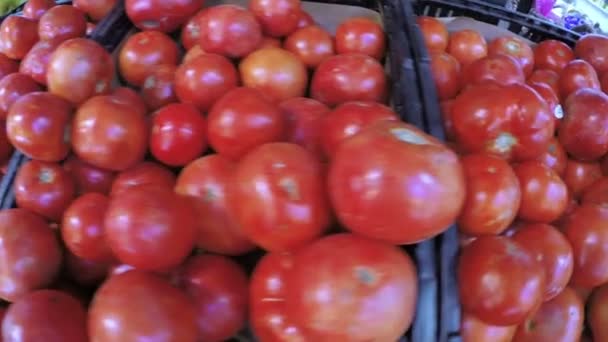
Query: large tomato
[(34, 9), (146, 173), (554, 157), (597, 314), (517, 280), (158, 89), (434, 32), (386, 194), (35, 63), (311, 44), (502, 69), (446, 74), (88, 178), (552, 55), (580, 175), (61, 23), (161, 15), (593, 48), (361, 35), (467, 46), (515, 47), (17, 36), (278, 17), (13, 87), (576, 75), (474, 330), (305, 122), (95, 9)]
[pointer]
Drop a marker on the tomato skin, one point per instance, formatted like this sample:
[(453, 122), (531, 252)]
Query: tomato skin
[(311, 44), (552, 55), (143, 52), (474, 330), (13, 87), (62, 22), (550, 97), (554, 157), (548, 77), (340, 79), (593, 48), (502, 69), (544, 194), (145, 173), (7, 66), (515, 47), (597, 314), (278, 18), (95, 9), (270, 42), (446, 74), (35, 63), (305, 20), (577, 74), (596, 193), (356, 282), (396, 154), (361, 35), (6, 148), (194, 52), (89, 178), (17, 36), (518, 280), (179, 134), (34, 9), (191, 31), (434, 32), (85, 273), (161, 15), (467, 46), (493, 195), (130, 96), (305, 123), (580, 175)]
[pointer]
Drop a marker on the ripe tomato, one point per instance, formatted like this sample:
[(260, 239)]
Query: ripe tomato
[(474, 330), (311, 44), (269, 42), (356, 282), (38, 125), (493, 195), (597, 314), (434, 32), (604, 83), (502, 69), (446, 74), (61, 23), (179, 134), (13, 87), (95, 9), (7, 66), (517, 285), (305, 122), (386, 194), (34, 9), (31, 252), (211, 72), (596, 193), (361, 35), (515, 47), (88, 178), (580, 175), (219, 289), (143, 52), (242, 120), (93, 63), (193, 53), (586, 111), (84, 272), (145, 173), (130, 96), (349, 77), (17, 36), (141, 305), (277, 73), (35, 63), (577, 74), (549, 77), (593, 48), (161, 15), (550, 97), (6, 148), (278, 17), (305, 19), (295, 210), (554, 157), (467, 46), (544, 195), (229, 30), (191, 32), (552, 55)]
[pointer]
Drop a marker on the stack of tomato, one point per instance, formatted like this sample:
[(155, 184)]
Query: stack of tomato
[(531, 127)]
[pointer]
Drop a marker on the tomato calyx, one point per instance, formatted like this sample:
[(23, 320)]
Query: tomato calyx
[(46, 175), (503, 143), (289, 186)]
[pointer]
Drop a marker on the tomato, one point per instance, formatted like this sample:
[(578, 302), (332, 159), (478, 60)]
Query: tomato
[(145, 173), (191, 31), (349, 77), (577, 74), (586, 110), (550, 97), (13, 87), (305, 122), (34, 9), (501, 69), (85, 273), (593, 48), (61, 23), (161, 15), (474, 330), (35, 63), (6, 148), (356, 282), (109, 133), (511, 121), (193, 53), (597, 314), (269, 42), (179, 134), (295, 210), (143, 52), (580, 175), (220, 290), (242, 120), (31, 252), (305, 19), (7, 66), (552, 55), (90, 28), (446, 74), (38, 124), (596, 193), (278, 73), (311, 44), (515, 47), (446, 120), (278, 18), (467, 46), (554, 157), (229, 30), (130, 96), (493, 195), (95, 9), (604, 82), (548, 77), (94, 66), (211, 72), (386, 194), (434, 32), (141, 306), (360, 35), (17, 36)]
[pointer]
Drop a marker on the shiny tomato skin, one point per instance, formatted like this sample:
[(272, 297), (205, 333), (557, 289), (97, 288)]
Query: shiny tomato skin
[(305, 119), (434, 32), (518, 281), (191, 31), (278, 18), (7, 66), (580, 175), (361, 35), (142, 306), (161, 15), (270, 42), (501, 69), (349, 77), (593, 48), (35, 63), (34, 9), (305, 20), (31, 252), (474, 330), (552, 55), (493, 195), (158, 89), (219, 289), (95, 9), (143, 52), (61, 23), (550, 97), (446, 74), (17, 36), (404, 162), (544, 195), (295, 209), (467, 46), (548, 77), (577, 74), (179, 134), (194, 52), (515, 47), (211, 72), (596, 193), (243, 119), (597, 314), (85, 273), (131, 97), (145, 173), (554, 157), (13, 87), (48, 141), (229, 30), (311, 44), (356, 281)]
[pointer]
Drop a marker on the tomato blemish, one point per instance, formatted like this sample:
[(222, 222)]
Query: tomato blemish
[(365, 275), (46, 175)]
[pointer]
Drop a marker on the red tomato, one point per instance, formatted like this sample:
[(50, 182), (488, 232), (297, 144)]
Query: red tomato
[(474, 330), (294, 210), (146, 173), (604, 83), (386, 194), (128, 95), (17, 36), (552, 55), (31, 252), (305, 19), (38, 125), (95, 70), (7, 66), (604, 165), (35, 63), (161, 15), (278, 17), (269, 42), (434, 32), (596, 193), (544, 195), (211, 72), (193, 53), (493, 195), (554, 157), (580, 175), (548, 77), (206, 183), (586, 111), (109, 133), (13, 87), (191, 31), (311, 44), (305, 122), (219, 289), (84, 272), (143, 52), (502, 69), (242, 120), (61, 23), (34, 9), (446, 118), (179, 134), (515, 47), (349, 77), (577, 74), (550, 97), (277, 73), (512, 121), (6, 148), (446, 74), (467, 46), (229, 30), (357, 282), (141, 306), (95, 9), (593, 48), (361, 35), (597, 313), (517, 285)]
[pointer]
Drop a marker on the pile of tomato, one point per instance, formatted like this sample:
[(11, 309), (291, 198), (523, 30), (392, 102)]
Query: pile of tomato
[(530, 124)]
